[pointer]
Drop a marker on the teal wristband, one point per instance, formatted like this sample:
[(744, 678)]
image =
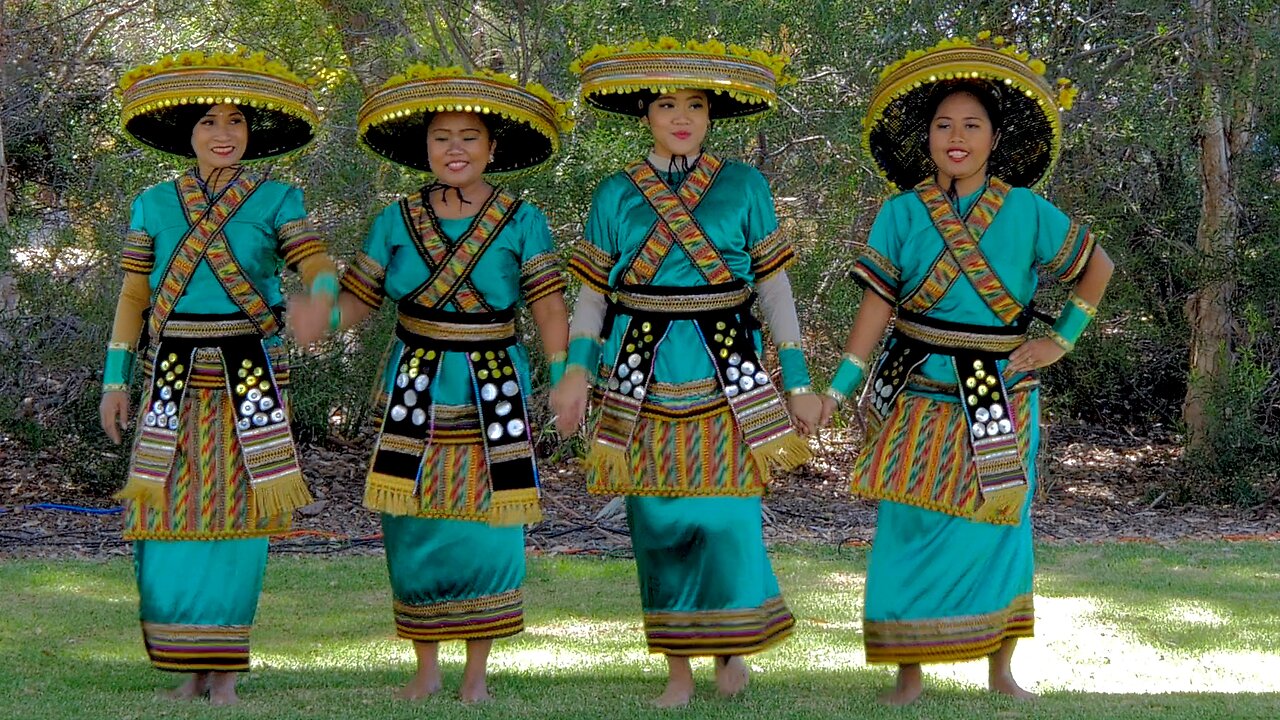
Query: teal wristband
[(119, 367), (795, 371), (557, 368), (848, 377), (584, 352), (325, 284), (1072, 321)]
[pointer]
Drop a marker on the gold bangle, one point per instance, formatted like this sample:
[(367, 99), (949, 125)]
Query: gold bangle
[(1065, 344), (113, 345), (558, 356), (858, 361), (790, 346), (1084, 305), (801, 390), (836, 395), (114, 387)]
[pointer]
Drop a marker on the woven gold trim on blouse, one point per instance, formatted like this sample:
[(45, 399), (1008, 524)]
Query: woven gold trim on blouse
[(437, 330), (644, 302)]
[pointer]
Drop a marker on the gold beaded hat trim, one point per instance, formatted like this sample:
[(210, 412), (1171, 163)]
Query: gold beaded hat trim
[(526, 121), (895, 131), (741, 82), (162, 101)]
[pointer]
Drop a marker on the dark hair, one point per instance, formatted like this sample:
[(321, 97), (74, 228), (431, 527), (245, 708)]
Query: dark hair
[(988, 96)]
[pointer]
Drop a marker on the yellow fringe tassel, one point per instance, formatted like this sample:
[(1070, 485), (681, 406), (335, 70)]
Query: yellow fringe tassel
[(783, 453), (1003, 507), (515, 507), (391, 495), (279, 496), (609, 462), (145, 492)]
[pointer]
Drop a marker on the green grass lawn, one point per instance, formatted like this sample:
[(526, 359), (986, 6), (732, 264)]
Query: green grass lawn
[(1123, 631)]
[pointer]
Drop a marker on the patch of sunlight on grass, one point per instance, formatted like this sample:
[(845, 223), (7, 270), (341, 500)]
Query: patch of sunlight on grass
[(583, 630), (1193, 614)]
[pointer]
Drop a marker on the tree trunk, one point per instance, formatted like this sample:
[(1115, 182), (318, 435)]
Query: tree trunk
[(1209, 309), (362, 35)]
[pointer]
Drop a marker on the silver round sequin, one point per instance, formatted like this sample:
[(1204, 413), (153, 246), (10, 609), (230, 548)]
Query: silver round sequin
[(503, 408), (166, 392), (419, 416), (151, 419), (171, 408), (761, 377), (638, 393), (399, 412), (1005, 425), (731, 390), (421, 383), (624, 370), (410, 398), (277, 415), (266, 403), (732, 373), (173, 422), (981, 415), (993, 428), (997, 412), (402, 380), (746, 383), (625, 387), (637, 377), (886, 391), (158, 407), (494, 431), (879, 384), (613, 383), (510, 388), (259, 419), (515, 427), (247, 408), (633, 360), (243, 424), (734, 359), (979, 430), (748, 367), (489, 392), (254, 395)]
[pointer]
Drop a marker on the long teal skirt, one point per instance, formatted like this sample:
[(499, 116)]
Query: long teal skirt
[(198, 599), (942, 588), (454, 579), (706, 583)]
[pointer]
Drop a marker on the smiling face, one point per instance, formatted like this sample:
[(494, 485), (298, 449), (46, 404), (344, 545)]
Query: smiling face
[(458, 148), (220, 138), (961, 138), (679, 122)]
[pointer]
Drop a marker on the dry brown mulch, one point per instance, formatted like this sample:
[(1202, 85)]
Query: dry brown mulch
[(1095, 486)]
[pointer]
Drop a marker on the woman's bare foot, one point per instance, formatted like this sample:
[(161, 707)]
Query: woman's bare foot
[(474, 687), (732, 675), (1006, 685), (679, 684), (426, 680), (222, 689), (195, 687), (1000, 672), (908, 688)]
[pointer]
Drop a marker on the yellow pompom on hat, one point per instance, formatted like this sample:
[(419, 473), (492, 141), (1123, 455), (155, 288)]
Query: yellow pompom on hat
[(527, 121), (162, 101), (622, 79), (895, 129)]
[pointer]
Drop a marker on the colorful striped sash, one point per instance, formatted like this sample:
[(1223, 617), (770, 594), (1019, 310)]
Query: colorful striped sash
[(962, 255), (205, 240), (451, 269), (676, 223)]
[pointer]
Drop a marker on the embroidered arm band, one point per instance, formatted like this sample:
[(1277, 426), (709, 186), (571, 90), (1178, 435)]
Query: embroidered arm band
[(848, 378), (119, 369), (779, 308), (1072, 321), (556, 364)]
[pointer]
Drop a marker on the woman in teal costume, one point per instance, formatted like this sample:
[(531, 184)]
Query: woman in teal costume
[(453, 471), (691, 423), (202, 262), (953, 430)]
